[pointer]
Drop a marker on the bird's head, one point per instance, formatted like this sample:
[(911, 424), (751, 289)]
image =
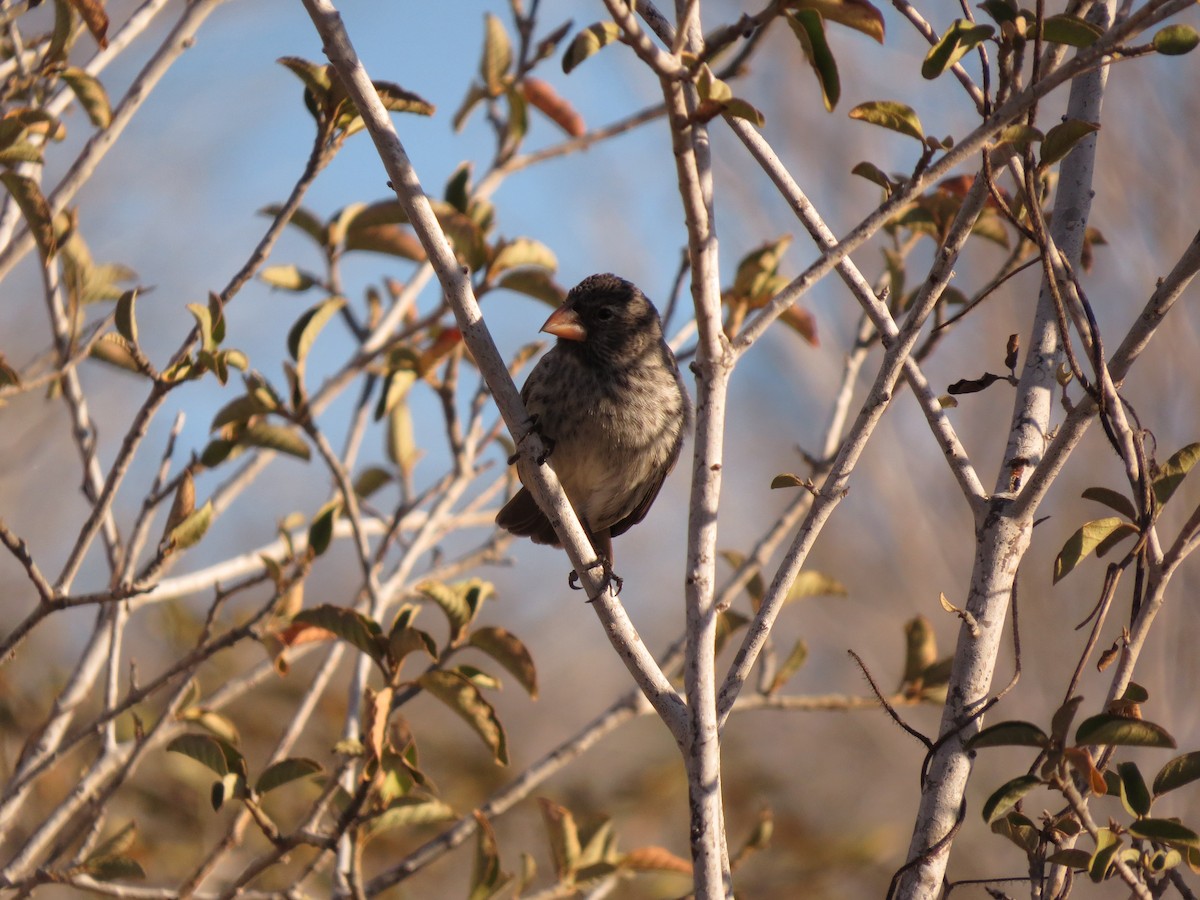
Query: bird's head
[(606, 316)]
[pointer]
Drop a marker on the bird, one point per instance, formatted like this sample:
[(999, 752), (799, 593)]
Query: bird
[(610, 406)]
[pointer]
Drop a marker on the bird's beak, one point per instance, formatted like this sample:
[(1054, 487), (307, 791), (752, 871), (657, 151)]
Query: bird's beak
[(564, 323)]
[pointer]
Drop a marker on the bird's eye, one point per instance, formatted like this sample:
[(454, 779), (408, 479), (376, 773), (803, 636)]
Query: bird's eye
[(604, 314)]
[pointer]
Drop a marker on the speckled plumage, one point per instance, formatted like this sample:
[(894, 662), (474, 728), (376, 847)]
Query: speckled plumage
[(613, 408)]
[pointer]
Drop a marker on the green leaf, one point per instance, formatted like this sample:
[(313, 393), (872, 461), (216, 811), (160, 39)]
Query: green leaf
[(1165, 831), (1009, 734), (857, 14), (1007, 796), (303, 219), (1070, 30), (788, 480), (275, 437), (1060, 723), (1134, 793), (809, 28), (302, 334), (1112, 499), (348, 624), (126, 321), (1107, 845), (211, 752), (453, 603), (286, 770), (35, 209), (590, 40), (1087, 539), (320, 532), (790, 666), (287, 278), (1062, 138), (536, 283), (1072, 858), (522, 253), (404, 640), (91, 95), (960, 39), (507, 649), (497, 55), (1019, 829), (1110, 730), (457, 692), (891, 115), (114, 868), (487, 879), (407, 812), (564, 838), (1176, 40), (370, 480), (815, 584), (242, 409), (1174, 471), (189, 532), (1178, 772)]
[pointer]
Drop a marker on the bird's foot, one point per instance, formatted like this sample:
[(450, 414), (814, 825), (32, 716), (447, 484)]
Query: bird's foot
[(610, 577), (547, 442)]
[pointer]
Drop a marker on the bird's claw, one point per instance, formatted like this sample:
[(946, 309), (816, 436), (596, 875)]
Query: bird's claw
[(610, 578), (547, 442)]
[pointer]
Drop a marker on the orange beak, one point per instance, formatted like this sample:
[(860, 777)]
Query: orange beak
[(564, 323)]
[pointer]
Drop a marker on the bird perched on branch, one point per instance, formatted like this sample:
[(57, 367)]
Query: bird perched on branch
[(611, 409)]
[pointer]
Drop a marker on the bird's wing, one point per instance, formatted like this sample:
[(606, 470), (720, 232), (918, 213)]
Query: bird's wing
[(522, 516)]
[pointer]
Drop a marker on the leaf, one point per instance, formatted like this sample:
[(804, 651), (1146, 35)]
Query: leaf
[(960, 39), (1086, 539), (287, 278), (407, 812), (404, 640), (91, 95), (275, 437), (788, 480), (94, 17), (486, 877), (125, 319), (1019, 829), (892, 115), (1009, 734), (117, 844), (348, 624), (401, 442), (592, 39), (189, 532), (1134, 793), (35, 209), (1072, 858), (211, 752), (542, 97), (1107, 845), (1178, 772), (1112, 499), (534, 283), (464, 698), (453, 603), (497, 55), (521, 253), (1165, 831), (815, 584), (114, 868), (655, 859), (809, 29), (1175, 40), (1007, 796), (1061, 721), (280, 773), (507, 649), (857, 14), (302, 334), (1070, 30), (564, 837), (1062, 138), (391, 240), (1174, 471), (1110, 730), (370, 480), (790, 666)]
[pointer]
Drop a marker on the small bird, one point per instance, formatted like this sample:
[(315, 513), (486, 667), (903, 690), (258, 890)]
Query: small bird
[(610, 406)]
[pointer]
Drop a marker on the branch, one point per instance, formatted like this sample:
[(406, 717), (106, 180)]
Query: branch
[(457, 287)]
